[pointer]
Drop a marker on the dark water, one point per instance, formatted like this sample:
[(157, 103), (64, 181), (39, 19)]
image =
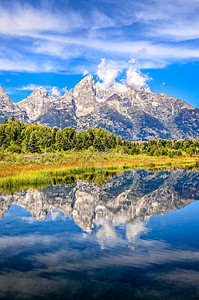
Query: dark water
[(137, 237)]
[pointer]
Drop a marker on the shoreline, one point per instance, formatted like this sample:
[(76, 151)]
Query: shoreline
[(13, 169), (14, 176)]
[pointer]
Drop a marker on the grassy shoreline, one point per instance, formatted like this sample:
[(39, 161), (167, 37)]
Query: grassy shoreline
[(97, 169), (8, 169)]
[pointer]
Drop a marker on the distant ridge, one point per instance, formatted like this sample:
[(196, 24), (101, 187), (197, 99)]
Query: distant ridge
[(132, 114)]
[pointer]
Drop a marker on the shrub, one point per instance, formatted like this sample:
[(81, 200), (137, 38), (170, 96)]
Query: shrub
[(14, 149)]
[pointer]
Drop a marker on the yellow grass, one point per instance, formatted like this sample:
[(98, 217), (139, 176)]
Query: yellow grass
[(139, 161)]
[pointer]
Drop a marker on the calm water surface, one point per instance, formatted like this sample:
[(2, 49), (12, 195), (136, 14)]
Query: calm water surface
[(137, 237)]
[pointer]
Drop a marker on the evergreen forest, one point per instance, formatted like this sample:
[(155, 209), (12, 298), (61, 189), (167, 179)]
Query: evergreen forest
[(19, 137)]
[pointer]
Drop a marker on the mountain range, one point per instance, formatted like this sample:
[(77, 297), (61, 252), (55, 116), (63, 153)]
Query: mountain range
[(132, 114)]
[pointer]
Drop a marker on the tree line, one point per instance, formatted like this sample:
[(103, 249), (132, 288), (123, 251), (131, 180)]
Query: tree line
[(19, 137)]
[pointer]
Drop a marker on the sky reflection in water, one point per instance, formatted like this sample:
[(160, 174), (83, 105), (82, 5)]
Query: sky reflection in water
[(134, 238)]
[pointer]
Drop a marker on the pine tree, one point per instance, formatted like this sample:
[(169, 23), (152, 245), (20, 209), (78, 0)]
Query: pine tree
[(59, 140), (33, 144)]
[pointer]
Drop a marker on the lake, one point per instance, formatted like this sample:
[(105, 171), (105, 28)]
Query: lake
[(136, 236)]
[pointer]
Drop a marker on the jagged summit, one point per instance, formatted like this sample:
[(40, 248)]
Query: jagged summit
[(88, 78), (148, 90), (4, 98), (132, 114), (9, 109), (37, 103), (2, 92), (87, 83), (37, 93), (84, 96), (40, 90)]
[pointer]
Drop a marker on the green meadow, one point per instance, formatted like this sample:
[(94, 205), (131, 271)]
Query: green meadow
[(19, 177)]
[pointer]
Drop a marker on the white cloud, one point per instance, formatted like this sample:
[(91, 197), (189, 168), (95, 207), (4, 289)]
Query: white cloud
[(57, 92), (54, 215), (135, 229), (106, 234), (146, 53), (69, 33), (106, 75), (29, 87), (54, 91), (57, 49), (26, 20), (101, 20), (85, 73), (135, 78), (119, 220), (132, 61), (120, 88), (172, 20), (20, 65), (65, 90)]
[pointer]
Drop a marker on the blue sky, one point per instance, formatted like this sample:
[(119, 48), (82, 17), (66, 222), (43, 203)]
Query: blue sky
[(55, 43)]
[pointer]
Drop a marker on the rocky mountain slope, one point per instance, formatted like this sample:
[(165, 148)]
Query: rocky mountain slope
[(135, 195), (132, 114), (8, 108)]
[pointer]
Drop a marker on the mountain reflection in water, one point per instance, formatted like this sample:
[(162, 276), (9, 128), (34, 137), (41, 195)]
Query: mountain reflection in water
[(129, 239)]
